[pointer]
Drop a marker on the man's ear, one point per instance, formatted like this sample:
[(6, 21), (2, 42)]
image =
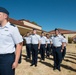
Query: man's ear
[(5, 16)]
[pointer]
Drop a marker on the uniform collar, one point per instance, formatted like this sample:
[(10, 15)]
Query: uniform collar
[(6, 26), (34, 34), (42, 36), (57, 35)]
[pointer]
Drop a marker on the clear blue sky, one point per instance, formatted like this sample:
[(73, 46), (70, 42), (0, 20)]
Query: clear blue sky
[(49, 14)]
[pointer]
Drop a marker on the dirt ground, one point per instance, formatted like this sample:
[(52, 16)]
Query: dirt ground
[(68, 66)]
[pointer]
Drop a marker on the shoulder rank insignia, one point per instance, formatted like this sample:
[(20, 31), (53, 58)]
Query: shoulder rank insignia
[(13, 25)]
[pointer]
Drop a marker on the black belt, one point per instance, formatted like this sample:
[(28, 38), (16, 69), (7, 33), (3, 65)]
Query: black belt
[(28, 44), (34, 44), (43, 44), (7, 54), (57, 46), (48, 43)]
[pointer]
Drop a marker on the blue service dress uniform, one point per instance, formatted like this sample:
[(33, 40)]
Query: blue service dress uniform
[(43, 40), (28, 46), (9, 37), (57, 54), (34, 41)]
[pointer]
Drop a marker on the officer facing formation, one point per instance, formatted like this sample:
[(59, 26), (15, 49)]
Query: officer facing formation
[(58, 43), (35, 41), (43, 46), (9, 37), (28, 45)]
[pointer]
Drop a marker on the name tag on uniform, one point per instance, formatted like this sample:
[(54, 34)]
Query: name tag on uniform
[(6, 30)]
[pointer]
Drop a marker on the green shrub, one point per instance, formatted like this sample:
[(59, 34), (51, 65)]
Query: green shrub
[(70, 40)]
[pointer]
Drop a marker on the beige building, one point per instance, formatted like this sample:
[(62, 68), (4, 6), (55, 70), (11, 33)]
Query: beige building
[(30, 24), (27, 26)]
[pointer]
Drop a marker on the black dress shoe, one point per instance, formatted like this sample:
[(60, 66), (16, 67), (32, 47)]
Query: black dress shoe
[(35, 65), (59, 69), (54, 68), (43, 59), (31, 65)]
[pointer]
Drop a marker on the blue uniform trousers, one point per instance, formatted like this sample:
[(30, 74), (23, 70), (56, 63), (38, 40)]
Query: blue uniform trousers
[(57, 55), (6, 61), (34, 53), (28, 50), (48, 50), (63, 53), (42, 51)]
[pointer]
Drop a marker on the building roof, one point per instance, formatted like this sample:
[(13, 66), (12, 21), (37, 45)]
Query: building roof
[(62, 31), (20, 23), (16, 21), (29, 22)]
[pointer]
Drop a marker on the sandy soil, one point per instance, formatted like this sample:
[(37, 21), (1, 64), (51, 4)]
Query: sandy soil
[(68, 66)]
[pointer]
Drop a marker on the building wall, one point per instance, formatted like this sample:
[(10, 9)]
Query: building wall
[(32, 25), (24, 30), (69, 35)]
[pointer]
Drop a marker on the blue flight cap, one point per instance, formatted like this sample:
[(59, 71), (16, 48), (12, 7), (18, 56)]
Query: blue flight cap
[(4, 10), (56, 29)]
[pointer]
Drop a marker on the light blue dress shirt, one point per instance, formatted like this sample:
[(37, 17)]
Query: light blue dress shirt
[(43, 40), (35, 39), (57, 40), (48, 40), (28, 40), (9, 37)]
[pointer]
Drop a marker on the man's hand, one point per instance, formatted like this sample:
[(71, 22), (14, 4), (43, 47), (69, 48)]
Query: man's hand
[(17, 55), (61, 50), (14, 65), (38, 47)]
